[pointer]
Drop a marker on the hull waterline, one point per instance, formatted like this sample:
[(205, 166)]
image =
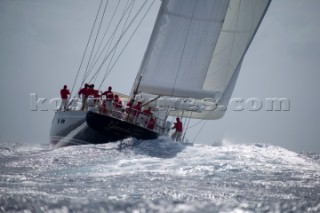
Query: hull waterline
[(79, 128)]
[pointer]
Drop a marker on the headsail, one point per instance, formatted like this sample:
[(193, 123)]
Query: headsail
[(196, 50)]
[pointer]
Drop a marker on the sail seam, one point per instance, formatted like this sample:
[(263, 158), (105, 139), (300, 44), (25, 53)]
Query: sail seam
[(193, 18), (184, 46)]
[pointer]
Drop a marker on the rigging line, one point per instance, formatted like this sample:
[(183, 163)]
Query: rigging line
[(87, 72), (122, 35), (205, 119), (105, 33), (125, 23), (128, 42), (184, 46), (108, 43), (196, 124), (119, 39), (115, 50), (121, 19), (199, 132), (85, 51), (185, 132), (99, 28), (123, 28)]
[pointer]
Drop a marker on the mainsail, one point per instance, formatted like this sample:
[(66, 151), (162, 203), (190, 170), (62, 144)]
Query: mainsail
[(195, 53)]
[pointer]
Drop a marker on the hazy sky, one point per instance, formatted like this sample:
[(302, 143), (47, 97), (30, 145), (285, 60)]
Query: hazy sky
[(42, 41)]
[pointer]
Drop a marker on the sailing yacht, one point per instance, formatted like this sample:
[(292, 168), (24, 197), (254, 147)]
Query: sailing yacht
[(189, 70)]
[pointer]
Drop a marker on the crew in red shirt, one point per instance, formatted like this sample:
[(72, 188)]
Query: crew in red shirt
[(176, 136), (151, 123), (64, 93), (117, 103), (137, 108), (109, 98), (84, 95), (129, 106), (91, 90), (95, 94), (147, 112)]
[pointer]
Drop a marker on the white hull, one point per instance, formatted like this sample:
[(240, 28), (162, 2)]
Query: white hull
[(64, 124)]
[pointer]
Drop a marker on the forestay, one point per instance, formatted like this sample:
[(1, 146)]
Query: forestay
[(196, 50)]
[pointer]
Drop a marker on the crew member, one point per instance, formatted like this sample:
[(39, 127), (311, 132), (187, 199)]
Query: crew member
[(151, 123), (137, 109), (95, 94), (109, 98), (129, 106), (145, 116), (91, 90), (176, 136), (117, 103), (147, 112), (64, 93), (84, 95)]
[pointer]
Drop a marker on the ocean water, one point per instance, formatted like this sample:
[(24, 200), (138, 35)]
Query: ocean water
[(158, 176)]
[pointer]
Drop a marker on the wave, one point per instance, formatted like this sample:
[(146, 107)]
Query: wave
[(165, 148), (253, 157), (158, 175)]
